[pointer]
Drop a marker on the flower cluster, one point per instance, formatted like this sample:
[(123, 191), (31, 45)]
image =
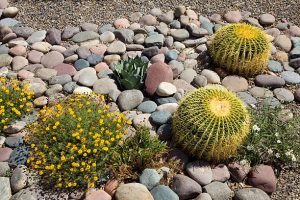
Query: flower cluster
[(15, 101), (73, 139)]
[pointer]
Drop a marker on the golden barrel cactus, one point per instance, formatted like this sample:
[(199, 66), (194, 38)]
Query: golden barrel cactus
[(240, 48), (211, 122)]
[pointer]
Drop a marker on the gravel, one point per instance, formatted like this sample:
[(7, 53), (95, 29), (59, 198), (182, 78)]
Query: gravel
[(41, 14)]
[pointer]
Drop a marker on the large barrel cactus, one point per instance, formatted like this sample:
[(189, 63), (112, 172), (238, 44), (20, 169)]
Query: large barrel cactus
[(240, 48), (211, 122)]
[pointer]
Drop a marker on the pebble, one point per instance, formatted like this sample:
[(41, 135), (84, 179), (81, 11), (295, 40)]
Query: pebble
[(208, 26), (69, 32), (130, 99), (248, 99), (89, 27), (147, 107), (51, 59), (180, 34), (290, 77), (211, 76), (218, 190), (150, 178), (177, 67), (24, 74), (83, 52), (124, 35), (163, 192), (104, 86), (233, 16), (9, 22), (65, 69), (70, 87), (82, 90), (116, 47), (266, 19), (14, 141), (164, 132), (37, 36), (148, 20), (199, 81), (18, 156), (283, 95), (81, 64), (275, 66), (281, 56), (85, 36), (142, 120), (269, 81), (4, 169), (251, 194), (283, 42), (239, 170), (271, 102), (165, 89), (107, 37), (60, 79), (111, 187), (5, 59), (235, 83), (18, 50), (54, 89), (5, 153), (34, 56), (200, 171), (160, 117), (88, 78), (5, 190), (45, 73), (19, 62), (263, 177), (154, 40), (53, 36), (158, 58), (10, 12), (121, 23), (220, 173), (168, 107), (98, 195), (43, 47), (19, 177), (167, 17), (185, 187), (203, 196), (188, 75), (94, 59), (133, 191), (40, 101)]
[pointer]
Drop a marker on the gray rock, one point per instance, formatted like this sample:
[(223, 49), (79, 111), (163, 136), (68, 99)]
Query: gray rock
[(124, 35), (200, 171), (14, 142), (89, 27), (45, 73), (107, 37), (235, 83), (275, 66), (61, 79), (188, 75), (266, 19), (199, 81), (94, 59), (163, 28), (23, 32), (269, 81), (5, 60), (218, 191), (69, 32), (160, 117), (104, 86), (163, 192), (180, 34), (81, 64), (139, 39), (51, 59), (260, 92), (4, 169), (130, 99), (220, 173), (147, 106), (283, 42), (247, 98), (177, 67), (211, 76), (295, 53), (295, 63), (83, 52), (151, 51), (167, 17), (9, 22), (185, 187), (271, 102), (53, 36), (53, 90), (19, 177), (150, 178), (203, 196), (175, 24), (290, 77), (70, 87), (88, 78), (251, 194), (154, 40), (85, 36), (18, 156), (5, 190), (37, 36), (283, 95), (106, 27), (208, 26), (24, 194), (194, 42), (117, 47)]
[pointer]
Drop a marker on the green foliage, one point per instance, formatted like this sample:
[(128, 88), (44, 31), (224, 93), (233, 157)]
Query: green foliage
[(130, 73), (241, 49), (72, 141), (211, 122), (272, 140), (137, 153)]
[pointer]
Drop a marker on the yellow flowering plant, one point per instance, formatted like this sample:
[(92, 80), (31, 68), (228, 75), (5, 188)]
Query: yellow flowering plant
[(72, 141), (15, 101)]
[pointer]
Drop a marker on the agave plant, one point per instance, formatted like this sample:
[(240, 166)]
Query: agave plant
[(130, 73)]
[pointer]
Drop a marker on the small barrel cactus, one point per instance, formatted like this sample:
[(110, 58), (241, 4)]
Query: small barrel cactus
[(240, 48), (211, 122)]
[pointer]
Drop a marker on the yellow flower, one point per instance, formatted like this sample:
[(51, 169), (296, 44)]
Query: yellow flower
[(94, 165), (95, 178), (94, 150), (105, 148), (63, 158), (84, 154), (41, 172)]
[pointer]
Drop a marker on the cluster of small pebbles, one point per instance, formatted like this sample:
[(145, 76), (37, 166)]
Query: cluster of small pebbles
[(81, 59)]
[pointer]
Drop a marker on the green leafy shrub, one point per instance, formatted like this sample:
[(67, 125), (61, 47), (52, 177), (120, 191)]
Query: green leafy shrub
[(130, 73), (15, 101), (137, 153), (72, 141), (240, 48), (272, 140), (211, 122)]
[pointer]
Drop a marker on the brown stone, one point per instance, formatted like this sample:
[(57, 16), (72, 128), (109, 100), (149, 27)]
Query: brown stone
[(65, 69), (111, 187)]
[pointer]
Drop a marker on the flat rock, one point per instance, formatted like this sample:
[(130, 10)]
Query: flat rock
[(5, 190), (37, 36), (200, 171), (154, 40), (163, 192), (266, 19), (116, 47), (251, 194), (150, 178), (180, 34), (124, 35), (51, 59), (290, 77), (85, 36), (283, 95), (235, 83), (269, 81), (147, 107), (81, 64), (133, 191), (185, 187), (218, 190)]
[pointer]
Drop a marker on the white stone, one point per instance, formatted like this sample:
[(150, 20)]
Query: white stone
[(211, 76), (165, 89), (168, 107), (82, 90)]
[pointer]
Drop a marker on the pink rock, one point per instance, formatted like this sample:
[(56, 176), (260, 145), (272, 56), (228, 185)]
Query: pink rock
[(157, 73), (3, 4), (5, 154), (51, 59), (19, 62), (111, 58), (163, 50), (263, 177), (24, 74), (196, 22), (35, 56), (233, 16), (158, 58), (181, 57), (148, 20), (98, 195), (18, 50), (121, 23), (101, 67), (65, 69), (220, 173), (99, 49), (191, 14), (134, 26)]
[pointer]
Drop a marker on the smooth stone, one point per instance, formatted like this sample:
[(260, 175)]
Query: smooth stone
[(281, 56), (124, 35), (177, 67), (239, 170), (275, 66), (60, 79), (155, 12), (283, 42), (98, 195), (165, 89), (37, 86), (263, 177), (190, 63), (5, 190), (69, 32), (45, 73), (233, 16), (43, 47), (19, 62), (183, 85), (40, 101), (220, 173), (139, 39), (70, 87), (199, 81), (154, 40), (5, 153), (117, 47), (106, 27), (185, 187), (151, 51), (171, 55), (130, 99), (4, 49), (208, 26), (295, 63), (81, 64), (104, 86), (89, 27), (283, 95), (180, 34), (71, 59), (54, 89), (164, 132), (290, 77), (9, 22), (163, 29), (150, 178), (179, 10), (4, 169), (168, 107), (35, 56), (18, 156), (260, 92), (51, 59), (83, 52), (203, 196), (121, 23), (18, 50), (37, 36), (266, 19), (211, 76), (82, 90), (158, 58), (297, 94), (19, 177), (200, 171), (164, 100), (85, 36), (251, 194), (295, 52), (160, 117), (5, 60), (247, 98), (53, 36), (65, 69), (235, 83), (218, 190), (107, 37), (14, 141), (88, 78), (147, 107), (271, 102), (148, 20), (188, 75), (133, 191), (135, 17), (162, 192), (269, 81), (94, 59), (17, 41), (3, 4)]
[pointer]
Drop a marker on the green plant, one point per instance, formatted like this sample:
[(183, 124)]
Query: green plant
[(272, 140), (211, 122), (72, 141), (240, 48), (15, 101), (137, 153), (130, 73)]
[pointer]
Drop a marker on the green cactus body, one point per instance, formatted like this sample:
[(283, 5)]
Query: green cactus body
[(241, 49), (211, 123)]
